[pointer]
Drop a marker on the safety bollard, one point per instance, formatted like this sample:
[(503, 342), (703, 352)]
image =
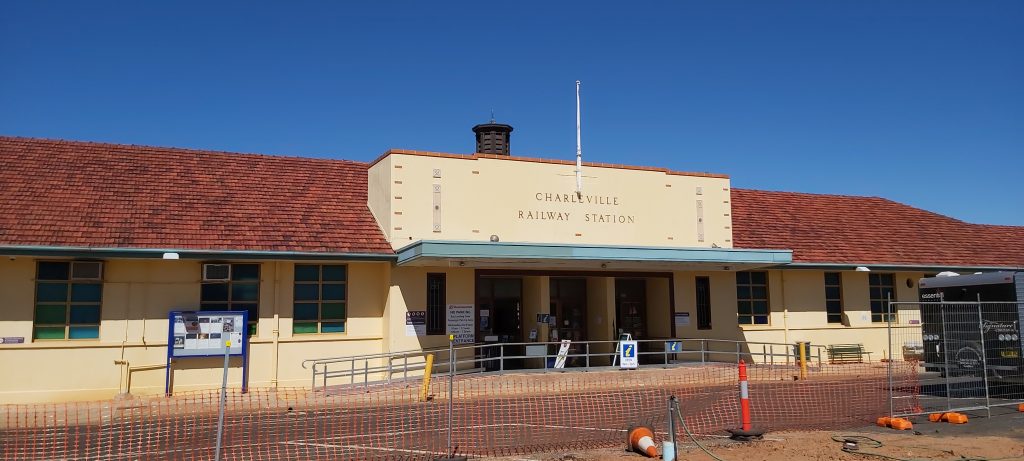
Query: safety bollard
[(428, 368), (803, 360), (744, 401), (746, 432)]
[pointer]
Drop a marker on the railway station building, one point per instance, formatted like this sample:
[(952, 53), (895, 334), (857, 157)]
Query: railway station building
[(99, 242)]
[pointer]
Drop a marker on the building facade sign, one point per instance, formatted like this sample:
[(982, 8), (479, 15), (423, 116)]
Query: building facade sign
[(423, 197)]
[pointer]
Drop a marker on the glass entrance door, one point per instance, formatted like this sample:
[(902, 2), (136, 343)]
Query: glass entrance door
[(499, 303)]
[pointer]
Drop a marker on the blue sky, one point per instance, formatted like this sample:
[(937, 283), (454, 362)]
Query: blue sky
[(921, 102)]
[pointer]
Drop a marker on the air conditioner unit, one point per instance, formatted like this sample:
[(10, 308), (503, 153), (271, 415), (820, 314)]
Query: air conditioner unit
[(86, 270), (216, 272)]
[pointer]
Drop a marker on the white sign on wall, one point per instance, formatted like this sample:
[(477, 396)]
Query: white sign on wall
[(461, 323), (416, 323)]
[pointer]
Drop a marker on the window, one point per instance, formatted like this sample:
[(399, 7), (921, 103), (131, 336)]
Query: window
[(703, 293), (238, 290), (68, 300), (883, 288), (321, 293), (436, 304), (834, 297), (752, 298)]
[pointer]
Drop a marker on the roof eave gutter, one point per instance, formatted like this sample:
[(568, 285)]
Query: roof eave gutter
[(158, 253), (898, 267)]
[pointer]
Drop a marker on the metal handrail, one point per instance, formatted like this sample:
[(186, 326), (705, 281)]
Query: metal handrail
[(481, 358)]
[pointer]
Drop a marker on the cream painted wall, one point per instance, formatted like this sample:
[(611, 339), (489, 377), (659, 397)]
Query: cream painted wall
[(484, 196), (536, 300), (658, 319), (379, 196), (137, 295), (723, 305), (408, 292), (17, 293), (798, 310), (601, 314), (797, 300)]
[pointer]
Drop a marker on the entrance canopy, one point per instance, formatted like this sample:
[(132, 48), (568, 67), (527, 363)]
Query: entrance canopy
[(564, 256)]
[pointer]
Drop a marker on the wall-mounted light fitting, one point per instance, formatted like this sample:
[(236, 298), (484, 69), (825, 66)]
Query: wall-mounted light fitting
[(171, 256)]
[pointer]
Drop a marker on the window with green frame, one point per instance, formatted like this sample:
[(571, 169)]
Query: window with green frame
[(752, 298), (68, 299), (882, 289), (321, 295), (240, 292)]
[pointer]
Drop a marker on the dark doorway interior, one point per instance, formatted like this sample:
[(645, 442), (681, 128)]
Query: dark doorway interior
[(569, 306), (499, 303), (631, 307)]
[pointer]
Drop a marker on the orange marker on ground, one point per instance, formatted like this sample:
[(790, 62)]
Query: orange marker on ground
[(899, 424), (641, 440)]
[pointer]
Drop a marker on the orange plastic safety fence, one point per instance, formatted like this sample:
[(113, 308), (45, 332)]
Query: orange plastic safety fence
[(512, 413)]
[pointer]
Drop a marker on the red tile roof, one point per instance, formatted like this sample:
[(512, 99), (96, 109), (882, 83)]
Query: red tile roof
[(80, 194), (868, 230)]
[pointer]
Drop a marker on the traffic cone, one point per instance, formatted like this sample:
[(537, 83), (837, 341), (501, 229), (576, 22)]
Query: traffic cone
[(641, 440)]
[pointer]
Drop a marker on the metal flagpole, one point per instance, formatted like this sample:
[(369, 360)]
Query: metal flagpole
[(579, 148), (223, 398)]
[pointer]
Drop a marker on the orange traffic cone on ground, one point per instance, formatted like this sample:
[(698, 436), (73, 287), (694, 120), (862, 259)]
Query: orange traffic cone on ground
[(641, 440), (1020, 407), (949, 417), (899, 424)]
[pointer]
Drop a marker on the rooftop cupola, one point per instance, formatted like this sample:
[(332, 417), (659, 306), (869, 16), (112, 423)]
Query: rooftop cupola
[(493, 138)]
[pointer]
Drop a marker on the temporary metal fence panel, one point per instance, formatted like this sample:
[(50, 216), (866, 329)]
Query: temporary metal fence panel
[(963, 356), (483, 414)]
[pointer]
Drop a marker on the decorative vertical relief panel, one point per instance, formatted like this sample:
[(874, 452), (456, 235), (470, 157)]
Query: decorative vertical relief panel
[(437, 208), (700, 220)]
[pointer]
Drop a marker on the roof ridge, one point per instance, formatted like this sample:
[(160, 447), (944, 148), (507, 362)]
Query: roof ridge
[(816, 194), (74, 142), (862, 197)]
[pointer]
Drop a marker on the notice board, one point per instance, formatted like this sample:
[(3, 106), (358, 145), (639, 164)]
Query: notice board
[(203, 333), (194, 334)]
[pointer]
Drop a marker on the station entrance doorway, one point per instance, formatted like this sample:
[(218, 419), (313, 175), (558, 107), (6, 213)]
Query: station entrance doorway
[(517, 308), (500, 311), (499, 316)]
